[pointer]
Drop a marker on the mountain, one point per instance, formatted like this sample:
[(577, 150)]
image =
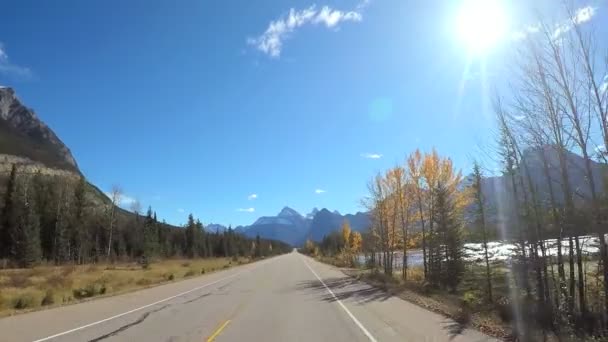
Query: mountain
[(312, 213), (498, 190), (31, 145), (292, 227), (288, 226), (324, 222), (24, 135)]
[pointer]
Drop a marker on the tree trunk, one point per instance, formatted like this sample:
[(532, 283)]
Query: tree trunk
[(581, 279), (571, 281)]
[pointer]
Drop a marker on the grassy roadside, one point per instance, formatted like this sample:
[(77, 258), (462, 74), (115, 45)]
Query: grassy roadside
[(478, 317), (23, 290)]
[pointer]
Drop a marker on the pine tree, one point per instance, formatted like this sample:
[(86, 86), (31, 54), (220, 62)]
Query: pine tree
[(79, 231), (7, 214), (258, 246), (449, 237), (190, 237), (481, 218), (24, 226), (61, 240), (150, 235)]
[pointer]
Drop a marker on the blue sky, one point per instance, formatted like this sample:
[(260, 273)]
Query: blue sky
[(192, 106)]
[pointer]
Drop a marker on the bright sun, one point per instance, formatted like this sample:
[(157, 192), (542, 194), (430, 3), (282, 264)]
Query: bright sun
[(481, 24)]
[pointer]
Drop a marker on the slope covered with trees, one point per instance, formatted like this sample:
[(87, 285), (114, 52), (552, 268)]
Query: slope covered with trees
[(62, 220)]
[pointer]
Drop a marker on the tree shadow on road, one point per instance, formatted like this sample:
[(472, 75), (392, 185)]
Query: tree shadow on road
[(454, 328), (344, 288)]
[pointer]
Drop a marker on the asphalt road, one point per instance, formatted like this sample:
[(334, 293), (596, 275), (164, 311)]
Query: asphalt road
[(286, 298)]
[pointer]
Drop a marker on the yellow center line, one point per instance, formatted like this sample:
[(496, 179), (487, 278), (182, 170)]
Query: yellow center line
[(241, 305), (218, 331)]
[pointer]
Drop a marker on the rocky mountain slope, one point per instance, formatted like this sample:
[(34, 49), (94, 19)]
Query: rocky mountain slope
[(23, 134)]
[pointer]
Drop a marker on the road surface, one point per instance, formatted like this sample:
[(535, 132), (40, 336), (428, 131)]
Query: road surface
[(286, 298)]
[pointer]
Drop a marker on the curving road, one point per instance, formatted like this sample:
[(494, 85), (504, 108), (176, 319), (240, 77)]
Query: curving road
[(286, 298)]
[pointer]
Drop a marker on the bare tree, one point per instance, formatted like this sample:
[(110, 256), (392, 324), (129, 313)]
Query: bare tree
[(115, 197)]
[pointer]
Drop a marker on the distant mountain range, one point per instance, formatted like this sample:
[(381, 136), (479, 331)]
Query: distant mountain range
[(498, 191), (294, 228)]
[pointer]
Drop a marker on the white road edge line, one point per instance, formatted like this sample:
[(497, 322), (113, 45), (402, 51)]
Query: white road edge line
[(144, 307), (367, 333)]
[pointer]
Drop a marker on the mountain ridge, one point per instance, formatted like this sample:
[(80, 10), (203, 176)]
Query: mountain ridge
[(23, 134)]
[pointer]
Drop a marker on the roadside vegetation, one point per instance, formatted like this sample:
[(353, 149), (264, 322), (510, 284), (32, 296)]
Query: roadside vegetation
[(47, 286), (60, 244), (553, 285)]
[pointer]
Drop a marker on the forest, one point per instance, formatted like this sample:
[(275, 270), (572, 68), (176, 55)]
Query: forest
[(64, 220)]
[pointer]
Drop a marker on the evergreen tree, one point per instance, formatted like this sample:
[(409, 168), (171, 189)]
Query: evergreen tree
[(79, 231), (449, 237), (7, 214), (150, 235), (258, 246), (24, 227), (190, 232)]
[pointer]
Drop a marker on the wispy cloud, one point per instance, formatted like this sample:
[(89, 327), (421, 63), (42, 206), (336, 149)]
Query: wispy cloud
[(371, 155), (181, 210), (525, 32), (518, 117), (252, 197), (271, 41), (7, 67), (246, 210), (320, 191), (581, 16)]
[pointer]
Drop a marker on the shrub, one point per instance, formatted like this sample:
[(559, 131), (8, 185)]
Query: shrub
[(18, 279), (170, 276), (202, 271), (227, 266), (90, 290), (143, 282), (470, 299), (48, 298), (91, 269), (59, 280), (23, 301), (190, 273), (67, 270), (186, 264)]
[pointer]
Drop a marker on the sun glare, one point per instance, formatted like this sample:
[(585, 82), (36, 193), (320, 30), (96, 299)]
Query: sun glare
[(481, 24)]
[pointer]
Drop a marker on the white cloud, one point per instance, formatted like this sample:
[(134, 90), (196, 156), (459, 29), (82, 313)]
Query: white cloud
[(252, 197), (523, 34), (581, 16), (518, 117), (181, 210), (271, 41), (371, 155), (584, 14), (246, 210), (320, 191), (6, 67)]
